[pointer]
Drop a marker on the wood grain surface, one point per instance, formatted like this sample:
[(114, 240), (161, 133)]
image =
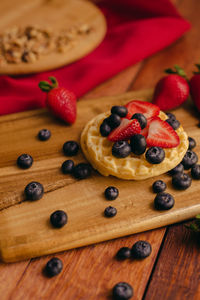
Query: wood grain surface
[(25, 233), (90, 272), (55, 15)]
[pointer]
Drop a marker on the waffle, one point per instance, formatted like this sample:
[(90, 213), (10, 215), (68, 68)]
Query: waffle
[(98, 151)]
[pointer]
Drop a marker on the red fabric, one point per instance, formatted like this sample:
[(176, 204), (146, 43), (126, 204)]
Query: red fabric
[(136, 29)]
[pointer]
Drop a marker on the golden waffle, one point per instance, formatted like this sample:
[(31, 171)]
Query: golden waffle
[(98, 151)]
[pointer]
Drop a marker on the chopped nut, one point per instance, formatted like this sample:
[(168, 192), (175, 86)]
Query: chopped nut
[(84, 28), (29, 57), (30, 43)]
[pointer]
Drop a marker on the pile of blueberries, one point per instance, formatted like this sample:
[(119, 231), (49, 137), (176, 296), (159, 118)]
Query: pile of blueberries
[(137, 145)]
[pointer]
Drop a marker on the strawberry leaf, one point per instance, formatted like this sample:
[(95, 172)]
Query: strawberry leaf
[(46, 86), (178, 70), (195, 226)]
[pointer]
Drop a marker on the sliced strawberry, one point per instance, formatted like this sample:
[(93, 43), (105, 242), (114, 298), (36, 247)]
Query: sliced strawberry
[(145, 131), (161, 134), (148, 109), (125, 130)]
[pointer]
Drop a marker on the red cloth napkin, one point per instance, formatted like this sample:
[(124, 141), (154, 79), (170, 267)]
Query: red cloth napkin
[(136, 29)]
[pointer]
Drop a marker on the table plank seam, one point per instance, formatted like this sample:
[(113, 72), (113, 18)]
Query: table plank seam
[(155, 263)]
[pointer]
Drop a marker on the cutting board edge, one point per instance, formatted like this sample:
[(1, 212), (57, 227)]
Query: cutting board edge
[(6, 253)]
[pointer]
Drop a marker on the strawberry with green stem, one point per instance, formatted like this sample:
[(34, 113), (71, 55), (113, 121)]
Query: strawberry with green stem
[(60, 101), (172, 90)]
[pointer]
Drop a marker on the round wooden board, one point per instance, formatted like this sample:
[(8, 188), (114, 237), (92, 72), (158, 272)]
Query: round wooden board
[(57, 15)]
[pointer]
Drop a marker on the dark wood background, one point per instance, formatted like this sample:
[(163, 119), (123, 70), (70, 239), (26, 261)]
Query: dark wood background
[(172, 272)]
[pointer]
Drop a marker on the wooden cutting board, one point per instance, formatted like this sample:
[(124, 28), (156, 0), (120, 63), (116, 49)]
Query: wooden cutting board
[(56, 15), (25, 230)]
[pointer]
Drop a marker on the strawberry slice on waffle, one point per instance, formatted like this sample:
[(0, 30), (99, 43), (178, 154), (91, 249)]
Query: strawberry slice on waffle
[(161, 134), (125, 130), (148, 109)]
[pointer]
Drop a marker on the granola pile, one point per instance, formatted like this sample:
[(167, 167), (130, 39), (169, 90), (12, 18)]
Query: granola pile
[(28, 44)]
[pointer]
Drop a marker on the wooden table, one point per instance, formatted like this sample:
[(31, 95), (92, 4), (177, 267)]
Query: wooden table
[(172, 270)]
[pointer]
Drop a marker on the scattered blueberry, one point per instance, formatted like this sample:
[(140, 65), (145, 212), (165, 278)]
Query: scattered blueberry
[(189, 159), (82, 171), (111, 193), (141, 119), (113, 121), (178, 169), (192, 143), (67, 166), (181, 181), (163, 201), (58, 218), (155, 155), (70, 148), (171, 116), (105, 129), (53, 267), (110, 211), (119, 110), (34, 191), (159, 186), (195, 171), (138, 144), (198, 125), (173, 123), (25, 161), (122, 291), (121, 149), (44, 134), (141, 249), (123, 253)]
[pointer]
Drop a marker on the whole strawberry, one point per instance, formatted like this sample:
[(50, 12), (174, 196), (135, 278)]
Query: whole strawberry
[(172, 90), (195, 87), (60, 101)]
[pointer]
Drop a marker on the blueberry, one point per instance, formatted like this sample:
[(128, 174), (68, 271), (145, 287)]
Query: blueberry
[(34, 191), (141, 119), (121, 149), (171, 116), (110, 211), (113, 121), (105, 129), (67, 166), (178, 169), (155, 155), (138, 144), (123, 253), (159, 186), (111, 193), (70, 148), (181, 181), (25, 161), (53, 267), (141, 249), (122, 291), (163, 201), (192, 143), (119, 110), (189, 159), (58, 218), (82, 171), (173, 123), (44, 134), (195, 171)]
